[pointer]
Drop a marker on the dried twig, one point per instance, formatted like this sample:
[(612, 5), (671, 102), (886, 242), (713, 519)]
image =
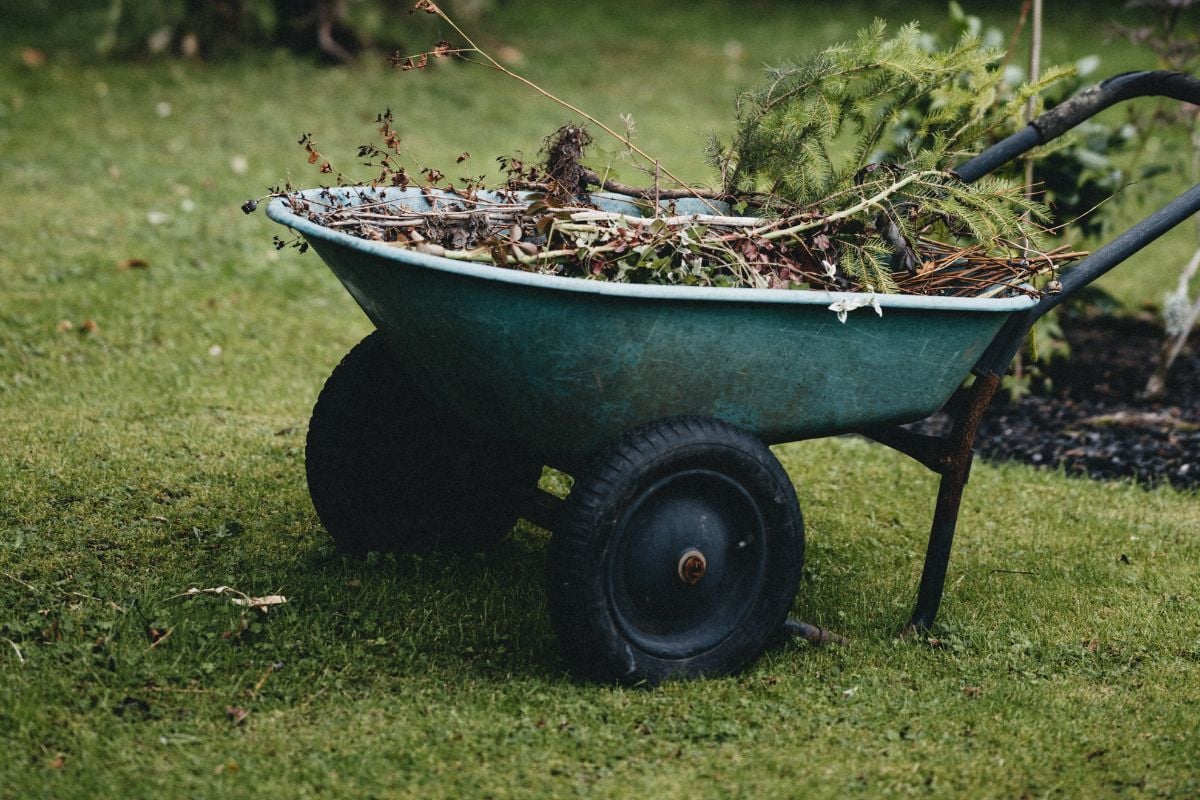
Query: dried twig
[(696, 249)]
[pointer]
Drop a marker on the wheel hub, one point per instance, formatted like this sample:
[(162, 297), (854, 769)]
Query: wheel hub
[(692, 566), (688, 556)]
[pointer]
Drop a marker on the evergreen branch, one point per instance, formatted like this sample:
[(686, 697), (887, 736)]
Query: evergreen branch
[(858, 208)]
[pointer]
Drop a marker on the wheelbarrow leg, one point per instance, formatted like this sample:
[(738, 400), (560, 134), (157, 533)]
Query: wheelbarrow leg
[(955, 467), (937, 552)]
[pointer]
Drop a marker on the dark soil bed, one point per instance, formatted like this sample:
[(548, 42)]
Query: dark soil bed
[(1088, 418)]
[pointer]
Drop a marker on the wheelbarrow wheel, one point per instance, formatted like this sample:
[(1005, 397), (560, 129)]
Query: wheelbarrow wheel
[(390, 471), (678, 554)]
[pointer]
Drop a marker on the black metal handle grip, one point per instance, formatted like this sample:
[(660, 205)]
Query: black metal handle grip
[(1055, 122), (1087, 104), (1083, 106)]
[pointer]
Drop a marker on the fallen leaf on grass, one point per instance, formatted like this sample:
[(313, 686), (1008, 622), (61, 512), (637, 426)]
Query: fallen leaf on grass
[(89, 326), (133, 263), (236, 714), (58, 762), (263, 604), (64, 326), (972, 691)]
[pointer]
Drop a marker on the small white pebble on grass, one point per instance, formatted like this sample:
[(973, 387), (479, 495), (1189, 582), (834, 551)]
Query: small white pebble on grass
[(215, 350), (239, 165), (188, 205), (163, 109), (157, 217)]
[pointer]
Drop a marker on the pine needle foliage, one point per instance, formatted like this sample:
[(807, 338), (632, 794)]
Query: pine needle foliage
[(815, 135)]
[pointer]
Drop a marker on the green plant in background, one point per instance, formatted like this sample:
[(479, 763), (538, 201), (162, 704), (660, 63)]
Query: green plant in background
[(1173, 38), (1076, 176)]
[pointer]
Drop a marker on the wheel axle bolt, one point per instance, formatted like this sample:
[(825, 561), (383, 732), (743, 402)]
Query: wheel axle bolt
[(692, 566)]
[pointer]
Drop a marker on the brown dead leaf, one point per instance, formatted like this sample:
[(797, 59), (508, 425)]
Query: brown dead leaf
[(89, 326), (1091, 645), (972, 691), (64, 326), (236, 714), (133, 263), (58, 762)]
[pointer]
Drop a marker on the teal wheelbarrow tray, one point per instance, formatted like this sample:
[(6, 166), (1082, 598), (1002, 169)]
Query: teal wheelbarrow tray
[(680, 546)]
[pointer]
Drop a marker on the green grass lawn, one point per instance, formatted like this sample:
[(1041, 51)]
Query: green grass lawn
[(160, 448)]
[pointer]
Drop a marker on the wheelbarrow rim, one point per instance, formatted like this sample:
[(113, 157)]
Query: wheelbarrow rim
[(279, 211)]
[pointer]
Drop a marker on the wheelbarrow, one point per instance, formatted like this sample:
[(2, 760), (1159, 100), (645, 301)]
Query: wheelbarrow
[(679, 549)]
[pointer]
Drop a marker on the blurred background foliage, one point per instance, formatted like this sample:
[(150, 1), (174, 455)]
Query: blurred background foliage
[(335, 30)]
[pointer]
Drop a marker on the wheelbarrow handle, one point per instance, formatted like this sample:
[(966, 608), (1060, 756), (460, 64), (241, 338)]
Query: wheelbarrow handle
[(1055, 122), (1083, 106), (1007, 344)]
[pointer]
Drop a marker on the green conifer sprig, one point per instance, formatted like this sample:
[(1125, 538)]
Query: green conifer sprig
[(814, 134)]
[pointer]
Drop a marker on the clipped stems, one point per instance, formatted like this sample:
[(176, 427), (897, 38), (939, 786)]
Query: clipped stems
[(494, 64), (875, 200)]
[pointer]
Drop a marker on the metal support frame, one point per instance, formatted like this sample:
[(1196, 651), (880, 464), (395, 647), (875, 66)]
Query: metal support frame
[(950, 456)]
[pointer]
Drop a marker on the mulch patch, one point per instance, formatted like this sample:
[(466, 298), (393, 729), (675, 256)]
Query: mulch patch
[(1087, 417)]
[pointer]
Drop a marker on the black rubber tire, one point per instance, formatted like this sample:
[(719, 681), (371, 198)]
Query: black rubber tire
[(389, 471), (616, 592)]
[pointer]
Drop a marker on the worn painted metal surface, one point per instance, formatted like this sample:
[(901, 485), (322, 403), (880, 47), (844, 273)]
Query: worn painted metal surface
[(564, 365)]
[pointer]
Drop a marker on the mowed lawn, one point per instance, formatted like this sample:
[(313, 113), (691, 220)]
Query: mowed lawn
[(158, 361)]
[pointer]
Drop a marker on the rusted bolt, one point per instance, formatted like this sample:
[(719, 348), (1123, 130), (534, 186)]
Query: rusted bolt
[(692, 567)]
